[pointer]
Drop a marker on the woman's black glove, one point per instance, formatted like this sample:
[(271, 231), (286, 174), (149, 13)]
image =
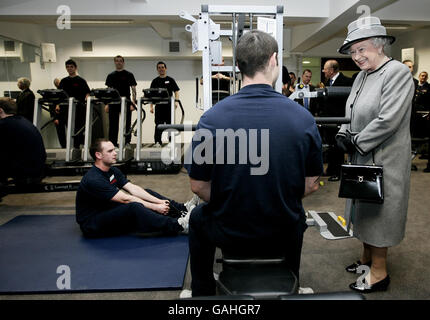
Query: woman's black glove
[(344, 141)]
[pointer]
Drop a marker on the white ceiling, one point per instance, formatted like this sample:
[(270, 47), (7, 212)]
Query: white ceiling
[(312, 22)]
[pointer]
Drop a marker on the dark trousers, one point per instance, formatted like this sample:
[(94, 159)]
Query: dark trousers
[(205, 237), (428, 143), (162, 116), (131, 217), (114, 113), (62, 125)]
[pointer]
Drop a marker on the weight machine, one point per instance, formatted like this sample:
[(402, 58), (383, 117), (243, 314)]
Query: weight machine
[(261, 276), (206, 36)]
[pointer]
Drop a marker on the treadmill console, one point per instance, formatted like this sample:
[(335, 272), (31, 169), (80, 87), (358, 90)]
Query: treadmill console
[(106, 95), (53, 95)]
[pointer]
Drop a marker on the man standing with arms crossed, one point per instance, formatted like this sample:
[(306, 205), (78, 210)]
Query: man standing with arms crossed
[(76, 87), (163, 111), (121, 80)]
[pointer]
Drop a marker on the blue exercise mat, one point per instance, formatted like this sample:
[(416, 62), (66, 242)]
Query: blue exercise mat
[(47, 253)]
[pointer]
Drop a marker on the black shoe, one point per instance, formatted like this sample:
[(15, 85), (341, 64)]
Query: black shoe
[(378, 286), (353, 267), (334, 178), (426, 169)]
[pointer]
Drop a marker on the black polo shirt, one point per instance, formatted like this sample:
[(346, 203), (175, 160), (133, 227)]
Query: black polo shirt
[(75, 87), (121, 81)]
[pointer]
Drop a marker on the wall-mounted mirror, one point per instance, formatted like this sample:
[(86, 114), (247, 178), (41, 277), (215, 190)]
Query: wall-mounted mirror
[(15, 60)]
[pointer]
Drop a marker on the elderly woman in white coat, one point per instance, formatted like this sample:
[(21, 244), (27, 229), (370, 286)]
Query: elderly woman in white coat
[(380, 107)]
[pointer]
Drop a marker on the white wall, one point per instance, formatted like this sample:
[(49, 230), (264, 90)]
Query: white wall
[(415, 39), (141, 47)]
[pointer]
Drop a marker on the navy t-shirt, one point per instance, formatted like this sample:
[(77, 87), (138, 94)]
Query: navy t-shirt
[(121, 81), (262, 204), (96, 190)]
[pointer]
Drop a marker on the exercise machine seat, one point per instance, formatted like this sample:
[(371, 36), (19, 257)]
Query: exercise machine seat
[(262, 276)]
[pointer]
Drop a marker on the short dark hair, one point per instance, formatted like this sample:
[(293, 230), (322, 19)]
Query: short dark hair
[(306, 70), (253, 52), (119, 57), (8, 105), (72, 62), (97, 146), (292, 73), (161, 62)]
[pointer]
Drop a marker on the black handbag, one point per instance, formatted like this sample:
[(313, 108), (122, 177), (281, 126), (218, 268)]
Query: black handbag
[(362, 182)]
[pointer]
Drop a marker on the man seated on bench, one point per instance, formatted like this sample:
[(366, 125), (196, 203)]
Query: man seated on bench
[(104, 209), (250, 207), (23, 152)]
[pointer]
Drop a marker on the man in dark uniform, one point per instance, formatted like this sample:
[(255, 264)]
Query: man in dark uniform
[(422, 93), (163, 111), (23, 152), (410, 65), (333, 107), (220, 84), (25, 100), (421, 102), (287, 86), (75, 87), (121, 80), (103, 209), (257, 210)]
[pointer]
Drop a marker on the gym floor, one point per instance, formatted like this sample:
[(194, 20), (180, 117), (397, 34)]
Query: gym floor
[(323, 261)]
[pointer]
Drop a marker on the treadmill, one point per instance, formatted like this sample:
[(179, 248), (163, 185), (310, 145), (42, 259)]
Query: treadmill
[(108, 96), (148, 158), (51, 98)]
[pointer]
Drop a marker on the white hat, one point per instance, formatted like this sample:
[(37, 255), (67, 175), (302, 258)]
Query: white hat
[(362, 29)]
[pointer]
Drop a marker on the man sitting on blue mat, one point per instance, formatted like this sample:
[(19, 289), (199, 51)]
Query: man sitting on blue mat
[(103, 209)]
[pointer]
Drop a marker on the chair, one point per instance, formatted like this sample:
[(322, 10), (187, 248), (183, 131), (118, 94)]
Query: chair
[(262, 276)]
